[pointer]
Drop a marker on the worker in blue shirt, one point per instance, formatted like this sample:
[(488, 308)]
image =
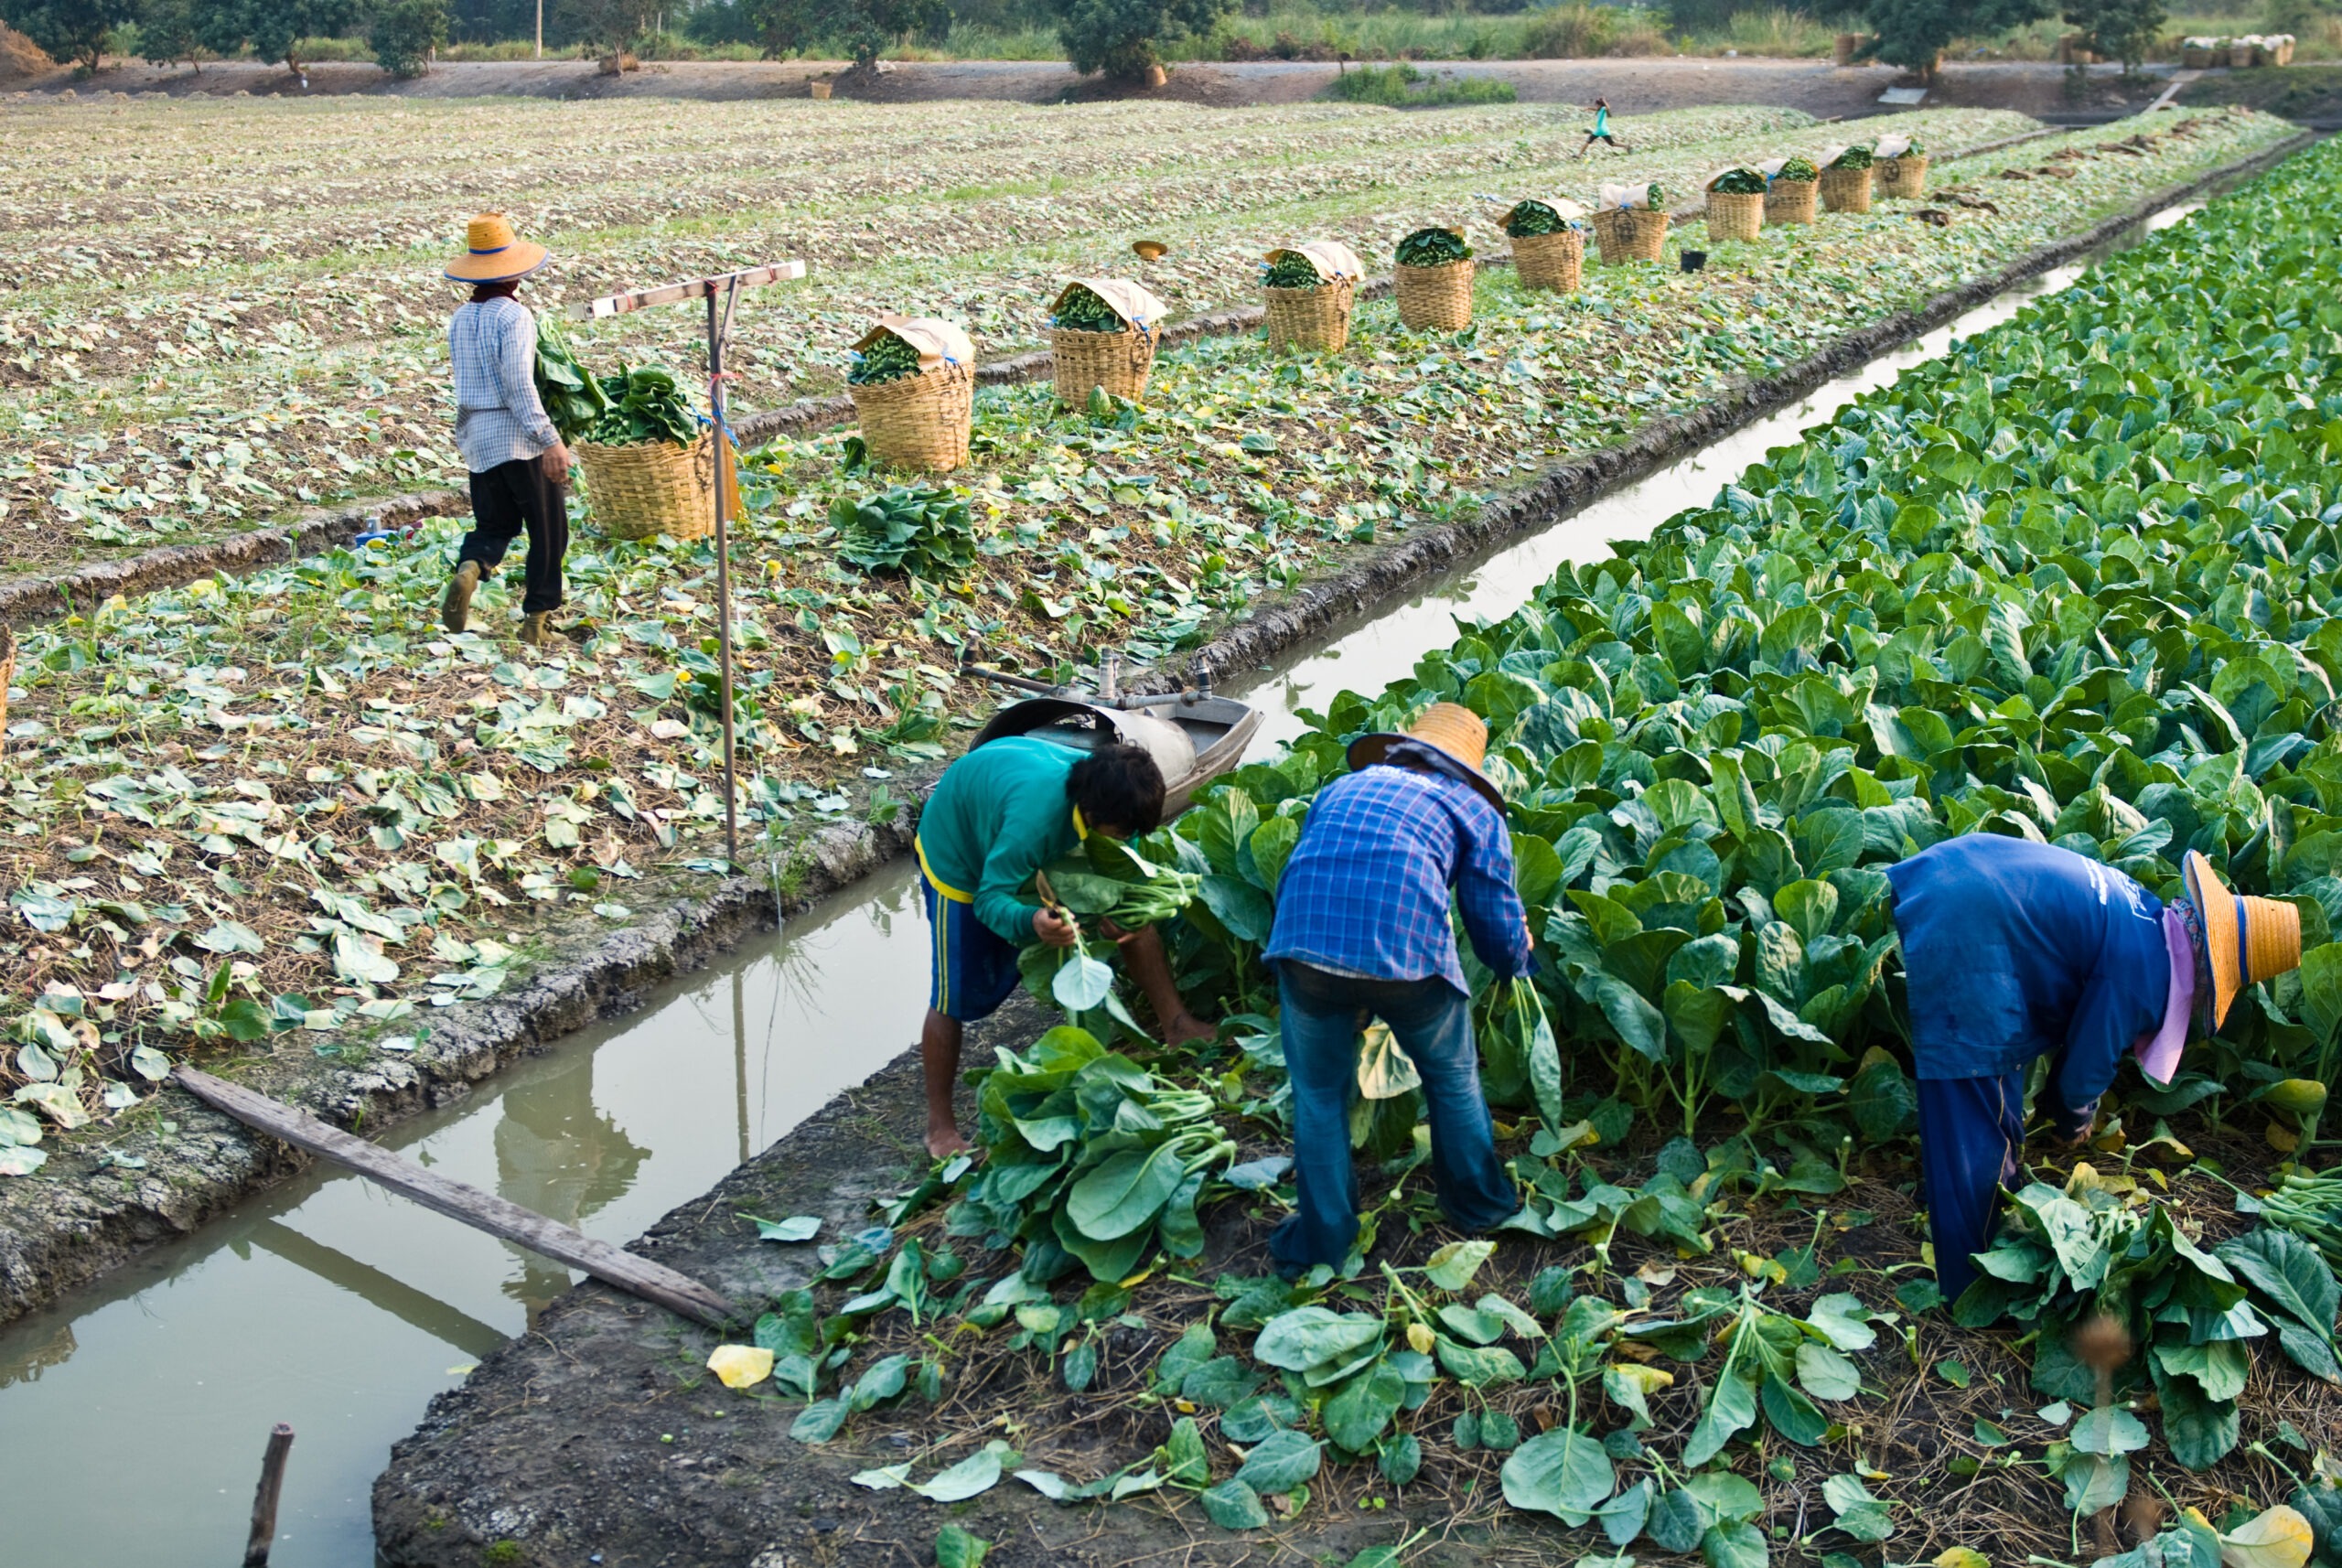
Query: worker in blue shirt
[(1363, 930), (2014, 950), (1601, 132)]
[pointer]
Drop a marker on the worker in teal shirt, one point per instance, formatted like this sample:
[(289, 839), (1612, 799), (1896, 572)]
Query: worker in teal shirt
[(1601, 132), (2014, 950), (998, 815)]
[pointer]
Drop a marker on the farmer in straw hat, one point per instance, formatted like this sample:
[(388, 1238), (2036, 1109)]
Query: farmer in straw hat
[(1363, 930), (2014, 950), (520, 468)]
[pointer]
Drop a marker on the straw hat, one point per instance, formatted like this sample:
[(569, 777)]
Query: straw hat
[(1448, 727), (2248, 940), (494, 253)]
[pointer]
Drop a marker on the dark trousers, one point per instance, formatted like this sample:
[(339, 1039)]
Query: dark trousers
[(1972, 1132), (1322, 1015), (512, 497)]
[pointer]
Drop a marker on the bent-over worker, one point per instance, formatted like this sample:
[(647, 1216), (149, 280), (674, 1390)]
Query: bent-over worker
[(519, 464), (999, 814), (1363, 931), (2016, 950)]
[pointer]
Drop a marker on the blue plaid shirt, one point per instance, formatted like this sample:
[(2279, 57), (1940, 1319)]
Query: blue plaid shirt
[(499, 418), (1366, 892)]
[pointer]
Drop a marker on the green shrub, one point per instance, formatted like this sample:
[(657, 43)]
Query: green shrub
[(404, 32), (1403, 86), (1119, 36)]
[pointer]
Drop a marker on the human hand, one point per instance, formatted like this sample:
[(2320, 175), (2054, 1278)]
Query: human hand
[(562, 461), (1120, 936), (1053, 928)]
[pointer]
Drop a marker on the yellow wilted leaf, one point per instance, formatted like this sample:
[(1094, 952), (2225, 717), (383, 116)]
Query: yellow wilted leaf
[(2282, 1138), (2279, 1538), (1649, 1379), (1961, 1557), (1420, 1339), (740, 1366)]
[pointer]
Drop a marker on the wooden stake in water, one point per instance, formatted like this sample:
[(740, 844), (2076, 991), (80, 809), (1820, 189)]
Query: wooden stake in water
[(272, 1485), (719, 331)]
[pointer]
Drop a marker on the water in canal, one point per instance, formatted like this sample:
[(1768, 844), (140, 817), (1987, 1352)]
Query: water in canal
[(138, 1408)]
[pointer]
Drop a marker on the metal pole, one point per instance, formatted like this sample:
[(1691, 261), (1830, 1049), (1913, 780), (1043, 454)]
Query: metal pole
[(271, 1486), (540, 29), (718, 329)]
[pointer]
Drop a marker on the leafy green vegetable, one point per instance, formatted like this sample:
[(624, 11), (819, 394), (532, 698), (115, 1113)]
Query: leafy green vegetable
[(1739, 182), (925, 530), (1083, 311), (573, 400), (1532, 218), (888, 359), (1853, 157), (1432, 248), (644, 404), (1797, 168), (1290, 269)]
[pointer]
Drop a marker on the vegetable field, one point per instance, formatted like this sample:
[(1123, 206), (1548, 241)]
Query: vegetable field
[(2073, 582), (221, 313), (284, 807)]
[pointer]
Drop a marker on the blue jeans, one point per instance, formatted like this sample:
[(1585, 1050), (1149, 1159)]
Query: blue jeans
[(1323, 1015), (1972, 1138)]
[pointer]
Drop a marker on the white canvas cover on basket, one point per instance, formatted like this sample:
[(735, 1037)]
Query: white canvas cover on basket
[(1625, 198), (1335, 262), (1891, 147), (1565, 210), (939, 342), (1829, 155), (1126, 299)]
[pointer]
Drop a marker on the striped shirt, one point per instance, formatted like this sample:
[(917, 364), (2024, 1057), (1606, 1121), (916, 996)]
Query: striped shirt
[(493, 345), (1366, 892)]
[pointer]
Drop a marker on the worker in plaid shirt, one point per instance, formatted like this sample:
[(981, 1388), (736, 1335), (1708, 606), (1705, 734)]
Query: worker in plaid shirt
[(1363, 930), (519, 464)]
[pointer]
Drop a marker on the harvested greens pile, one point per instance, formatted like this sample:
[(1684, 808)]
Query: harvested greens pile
[(1797, 168), (573, 398), (924, 530), (888, 359), (1853, 157), (1528, 219), (1656, 198), (644, 404), (1290, 269), (2070, 582), (1433, 248), (1739, 182), (1083, 311)]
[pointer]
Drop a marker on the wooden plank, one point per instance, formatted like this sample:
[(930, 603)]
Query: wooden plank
[(690, 288), (481, 1210)]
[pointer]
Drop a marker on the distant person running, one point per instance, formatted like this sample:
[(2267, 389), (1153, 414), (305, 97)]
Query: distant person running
[(1601, 132)]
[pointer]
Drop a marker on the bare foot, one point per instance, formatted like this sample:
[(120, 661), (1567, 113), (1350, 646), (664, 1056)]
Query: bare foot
[(943, 1142), (1187, 1028)]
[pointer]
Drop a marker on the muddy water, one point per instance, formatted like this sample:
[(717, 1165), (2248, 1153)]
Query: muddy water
[(139, 1409)]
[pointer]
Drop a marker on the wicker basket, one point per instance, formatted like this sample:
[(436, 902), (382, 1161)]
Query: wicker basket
[(2282, 54), (1118, 361), (2195, 57), (2242, 55), (820, 90), (1845, 189), (1629, 234), (1316, 318), (922, 421), (1735, 216), (1790, 202), (1901, 179), (1436, 299), (651, 488), (1555, 260)]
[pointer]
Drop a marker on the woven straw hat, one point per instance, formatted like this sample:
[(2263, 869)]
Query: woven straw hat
[(1449, 727), (494, 253), (2246, 940)]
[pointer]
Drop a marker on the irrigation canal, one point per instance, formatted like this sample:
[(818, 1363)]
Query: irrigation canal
[(334, 1306)]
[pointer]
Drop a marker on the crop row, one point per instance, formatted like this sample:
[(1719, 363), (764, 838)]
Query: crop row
[(201, 739), (2074, 582), (212, 391)]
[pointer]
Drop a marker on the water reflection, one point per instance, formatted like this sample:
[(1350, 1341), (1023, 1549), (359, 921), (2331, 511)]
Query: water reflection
[(564, 1156)]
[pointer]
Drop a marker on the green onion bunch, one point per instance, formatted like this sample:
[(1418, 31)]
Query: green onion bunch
[(1432, 248), (1798, 169), (1739, 182), (1291, 269), (888, 359), (1083, 310), (1855, 156)]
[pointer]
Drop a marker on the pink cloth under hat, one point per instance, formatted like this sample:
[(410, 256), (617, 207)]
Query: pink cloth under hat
[(2158, 1053)]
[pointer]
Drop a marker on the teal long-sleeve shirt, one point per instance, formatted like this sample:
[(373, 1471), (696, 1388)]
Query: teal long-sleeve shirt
[(998, 815)]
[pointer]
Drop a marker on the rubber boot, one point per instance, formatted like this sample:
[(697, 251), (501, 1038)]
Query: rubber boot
[(456, 609), (536, 631)]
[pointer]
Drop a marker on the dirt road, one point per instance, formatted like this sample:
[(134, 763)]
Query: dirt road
[(1632, 86)]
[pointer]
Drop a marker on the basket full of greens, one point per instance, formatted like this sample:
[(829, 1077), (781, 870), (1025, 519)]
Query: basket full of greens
[(1103, 335), (1631, 223), (1792, 187), (1735, 207), (914, 388), (1846, 178), (1900, 167), (1548, 242), (1308, 290), (1433, 281), (648, 461)]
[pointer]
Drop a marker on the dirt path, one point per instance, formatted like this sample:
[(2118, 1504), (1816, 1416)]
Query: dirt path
[(1633, 86)]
